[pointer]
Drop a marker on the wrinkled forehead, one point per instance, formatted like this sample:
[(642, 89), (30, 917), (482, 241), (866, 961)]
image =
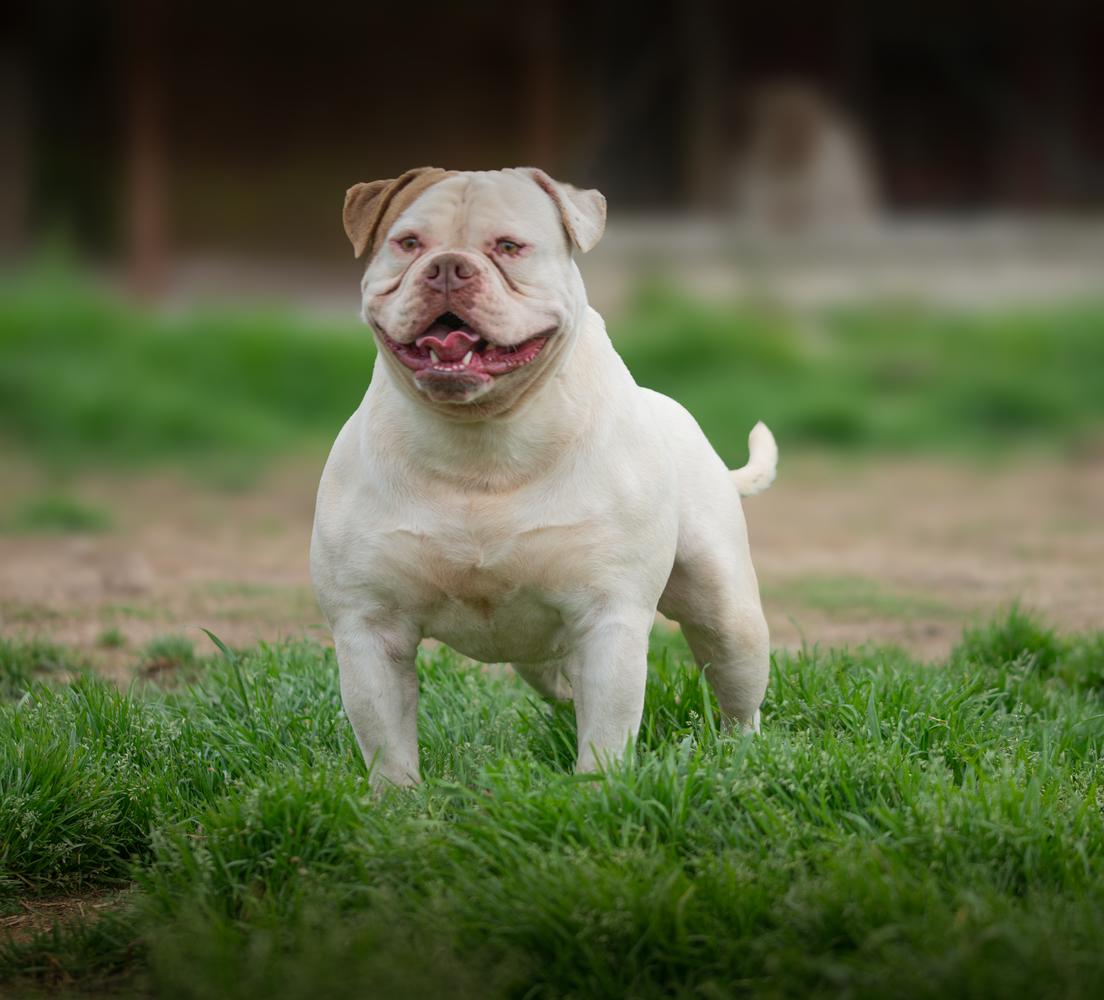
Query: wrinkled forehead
[(504, 200)]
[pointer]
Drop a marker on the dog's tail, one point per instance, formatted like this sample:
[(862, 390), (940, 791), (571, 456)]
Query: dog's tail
[(762, 463)]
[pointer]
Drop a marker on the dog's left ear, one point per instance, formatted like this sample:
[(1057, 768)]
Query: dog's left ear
[(583, 212)]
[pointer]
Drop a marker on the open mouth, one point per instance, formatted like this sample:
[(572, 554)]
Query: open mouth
[(449, 347)]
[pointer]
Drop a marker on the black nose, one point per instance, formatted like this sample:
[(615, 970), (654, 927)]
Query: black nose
[(447, 271)]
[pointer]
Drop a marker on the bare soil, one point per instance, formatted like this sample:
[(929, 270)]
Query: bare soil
[(36, 916), (847, 552)]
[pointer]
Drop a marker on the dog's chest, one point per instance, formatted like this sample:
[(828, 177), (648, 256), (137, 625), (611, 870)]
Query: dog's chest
[(492, 584)]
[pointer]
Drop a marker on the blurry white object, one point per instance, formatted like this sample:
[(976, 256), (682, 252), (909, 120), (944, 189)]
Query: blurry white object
[(804, 165)]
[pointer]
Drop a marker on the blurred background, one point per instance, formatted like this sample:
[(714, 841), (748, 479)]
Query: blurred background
[(878, 227)]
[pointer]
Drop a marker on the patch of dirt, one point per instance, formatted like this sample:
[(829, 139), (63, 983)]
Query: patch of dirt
[(938, 545), (847, 552), (182, 557), (40, 915)]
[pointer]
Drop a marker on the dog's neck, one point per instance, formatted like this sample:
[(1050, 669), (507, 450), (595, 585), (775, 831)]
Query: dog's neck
[(500, 453)]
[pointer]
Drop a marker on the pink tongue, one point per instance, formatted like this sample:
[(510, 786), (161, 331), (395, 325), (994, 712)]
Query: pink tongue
[(452, 348)]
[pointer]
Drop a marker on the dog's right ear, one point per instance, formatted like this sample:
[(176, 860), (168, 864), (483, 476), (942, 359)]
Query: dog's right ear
[(372, 208), (364, 204)]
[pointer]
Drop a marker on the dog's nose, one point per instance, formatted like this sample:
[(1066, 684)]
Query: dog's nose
[(447, 271)]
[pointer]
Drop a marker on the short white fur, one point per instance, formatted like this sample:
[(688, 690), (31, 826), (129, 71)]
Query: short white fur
[(545, 532)]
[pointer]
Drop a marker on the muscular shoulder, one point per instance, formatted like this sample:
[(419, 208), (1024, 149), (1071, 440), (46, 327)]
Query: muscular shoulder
[(671, 417), (679, 430)]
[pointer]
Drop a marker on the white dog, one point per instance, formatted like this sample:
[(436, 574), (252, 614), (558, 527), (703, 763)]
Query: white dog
[(507, 488)]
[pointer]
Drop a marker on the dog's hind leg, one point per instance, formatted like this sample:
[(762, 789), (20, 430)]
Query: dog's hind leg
[(548, 677), (714, 596), (736, 659)]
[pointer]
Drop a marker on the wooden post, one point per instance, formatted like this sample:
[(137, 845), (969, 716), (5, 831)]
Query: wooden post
[(542, 20), (706, 99), (16, 153), (147, 160)]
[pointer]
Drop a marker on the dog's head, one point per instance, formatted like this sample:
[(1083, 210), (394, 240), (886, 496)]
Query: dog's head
[(470, 286)]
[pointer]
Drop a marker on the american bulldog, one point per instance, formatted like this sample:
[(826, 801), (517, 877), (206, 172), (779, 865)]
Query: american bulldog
[(506, 487)]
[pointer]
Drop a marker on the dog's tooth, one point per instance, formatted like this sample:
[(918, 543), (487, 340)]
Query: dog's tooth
[(433, 356), (467, 358)]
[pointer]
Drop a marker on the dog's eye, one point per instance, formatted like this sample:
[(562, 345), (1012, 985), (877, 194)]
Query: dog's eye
[(508, 247), (408, 243)]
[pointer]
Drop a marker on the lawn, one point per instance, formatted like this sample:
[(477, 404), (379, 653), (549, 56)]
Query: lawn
[(904, 828), (900, 828), (87, 381)]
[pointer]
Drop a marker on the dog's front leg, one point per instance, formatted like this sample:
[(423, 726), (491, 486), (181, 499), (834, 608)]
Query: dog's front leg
[(610, 671), (379, 689)]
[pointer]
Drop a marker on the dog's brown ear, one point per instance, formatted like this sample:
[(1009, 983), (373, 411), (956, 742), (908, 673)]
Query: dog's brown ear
[(371, 208), (363, 204), (583, 212)]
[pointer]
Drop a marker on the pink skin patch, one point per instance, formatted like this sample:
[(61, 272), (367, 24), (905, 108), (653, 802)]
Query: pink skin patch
[(450, 351)]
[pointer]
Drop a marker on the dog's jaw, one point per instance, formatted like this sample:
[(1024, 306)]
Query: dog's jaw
[(453, 363)]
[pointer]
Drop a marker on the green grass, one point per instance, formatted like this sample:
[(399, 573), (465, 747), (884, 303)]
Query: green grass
[(899, 829), (88, 381), (857, 595), (168, 655), (903, 378), (111, 638), (23, 662), (56, 514)]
